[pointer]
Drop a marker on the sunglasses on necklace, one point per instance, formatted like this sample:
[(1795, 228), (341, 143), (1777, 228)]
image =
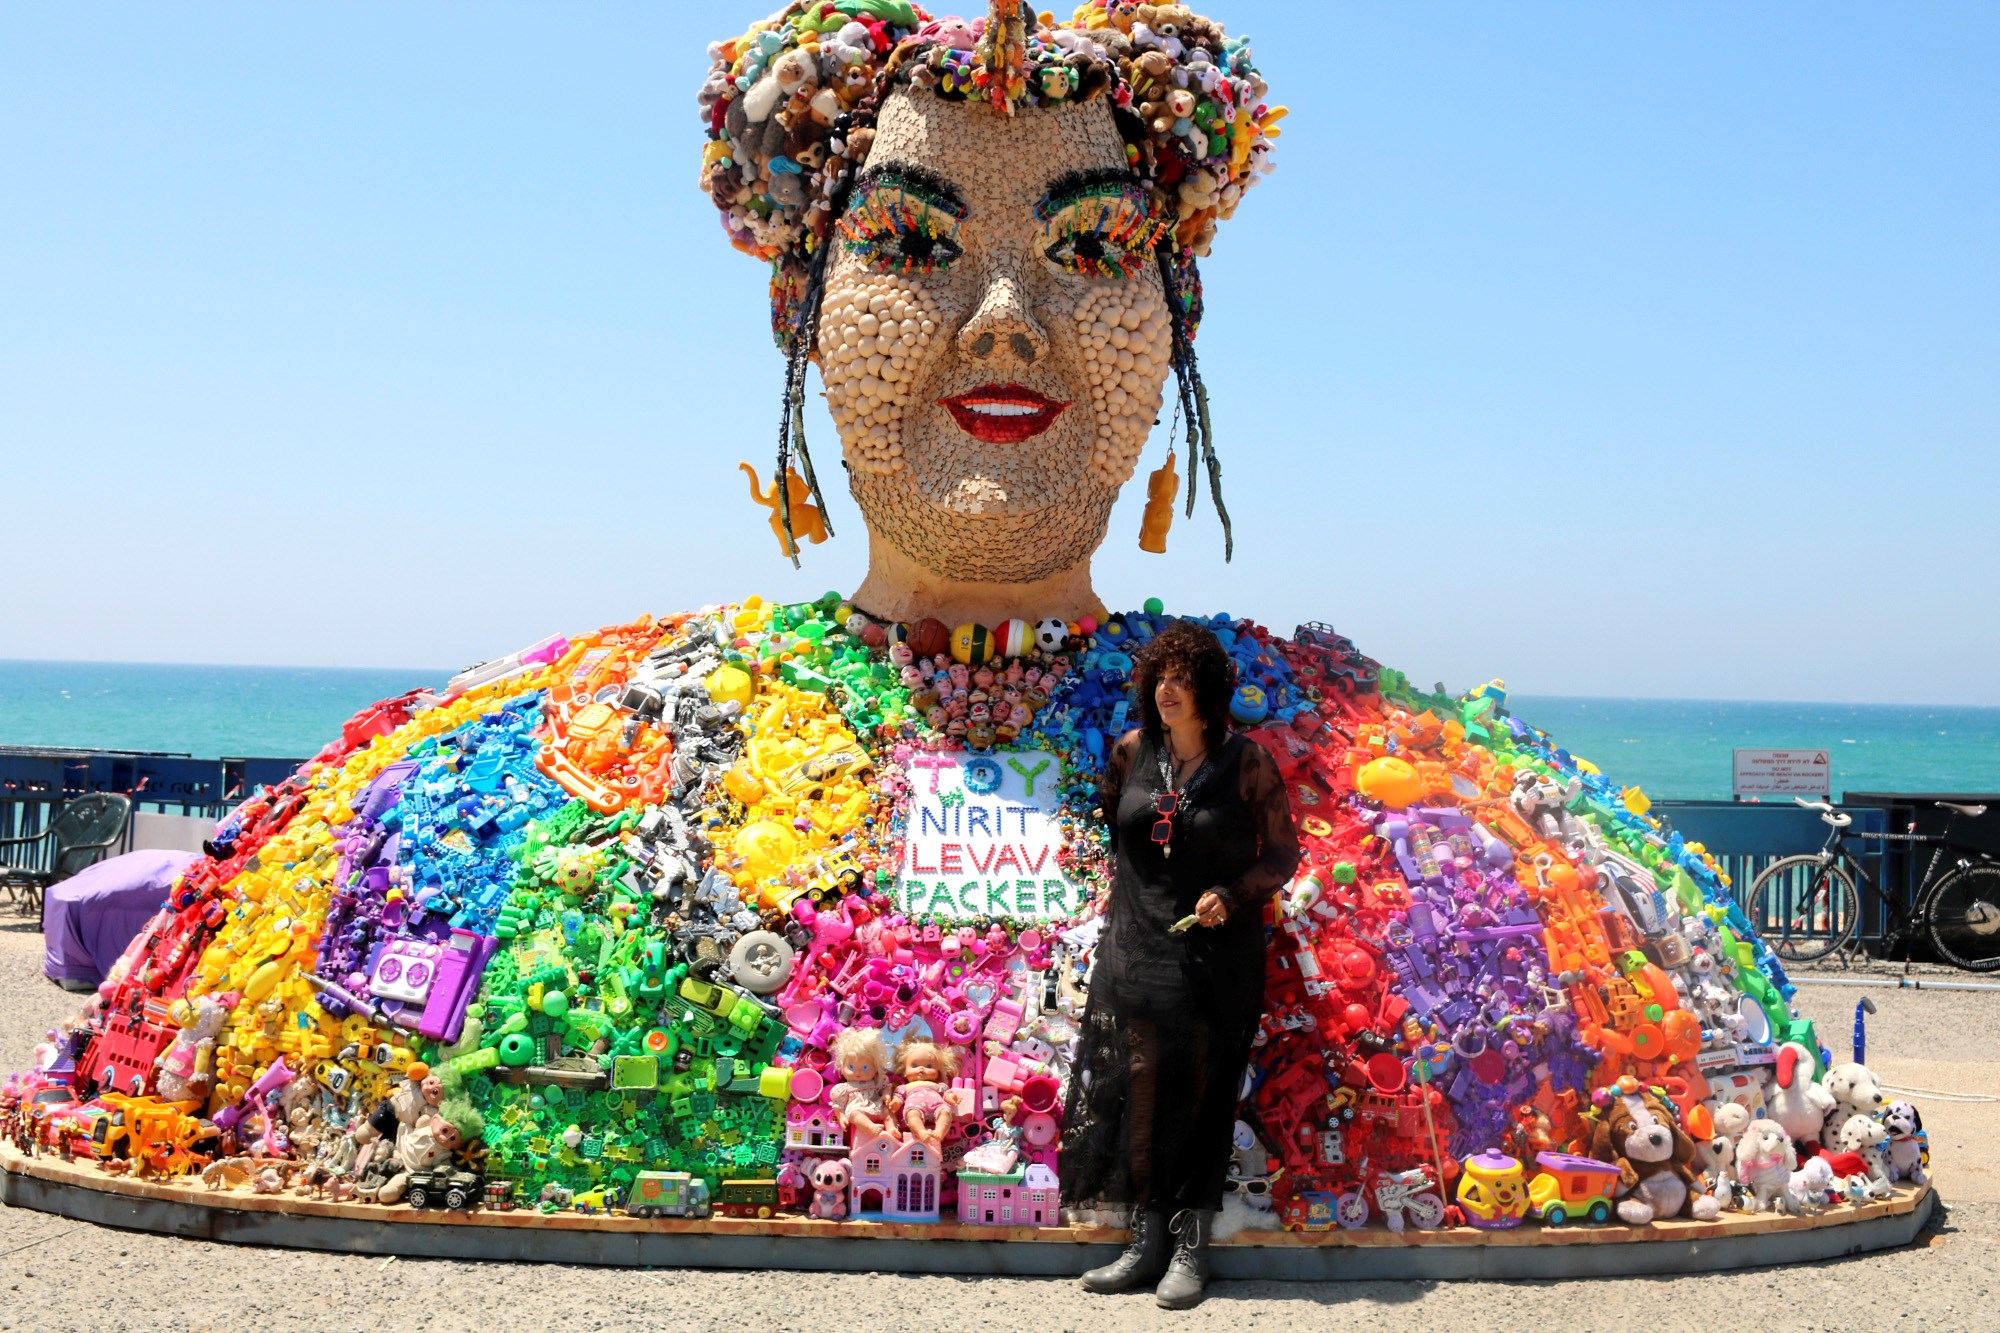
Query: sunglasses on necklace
[(1165, 805)]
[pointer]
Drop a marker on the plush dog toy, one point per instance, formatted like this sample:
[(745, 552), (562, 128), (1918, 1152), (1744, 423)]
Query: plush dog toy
[(1796, 1102), (1865, 1135), (1809, 1185), (1855, 1091), (1716, 1159), (1765, 1160), (1639, 1133), (829, 1200), (1906, 1144)]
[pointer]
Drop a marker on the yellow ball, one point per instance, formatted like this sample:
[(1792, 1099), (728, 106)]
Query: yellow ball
[(972, 644)]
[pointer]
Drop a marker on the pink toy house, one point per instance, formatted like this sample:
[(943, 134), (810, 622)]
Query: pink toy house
[(895, 1182), (1029, 1198), (814, 1129)]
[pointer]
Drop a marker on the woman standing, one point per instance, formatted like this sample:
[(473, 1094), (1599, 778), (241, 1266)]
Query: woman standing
[(1202, 835)]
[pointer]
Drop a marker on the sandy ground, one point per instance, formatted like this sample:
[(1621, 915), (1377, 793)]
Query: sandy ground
[(58, 1274)]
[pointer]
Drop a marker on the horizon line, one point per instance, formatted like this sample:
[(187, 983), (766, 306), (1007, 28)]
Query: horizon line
[(448, 672)]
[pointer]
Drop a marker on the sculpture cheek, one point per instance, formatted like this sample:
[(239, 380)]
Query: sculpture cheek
[(875, 344), (1124, 337)]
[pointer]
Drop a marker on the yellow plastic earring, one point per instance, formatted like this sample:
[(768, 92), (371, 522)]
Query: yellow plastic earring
[(1161, 488)]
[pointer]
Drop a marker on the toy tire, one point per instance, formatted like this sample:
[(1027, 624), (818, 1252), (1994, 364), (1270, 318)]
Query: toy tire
[(456, 1199), (418, 1197), (1555, 1216), (1351, 1210), (1426, 1211), (1600, 1211)]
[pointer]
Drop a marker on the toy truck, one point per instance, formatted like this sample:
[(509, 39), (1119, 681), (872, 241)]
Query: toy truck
[(445, 1188), (667, 1194), (1570, 1187)]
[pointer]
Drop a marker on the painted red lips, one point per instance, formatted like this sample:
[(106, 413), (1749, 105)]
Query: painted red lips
[(1003, 413)]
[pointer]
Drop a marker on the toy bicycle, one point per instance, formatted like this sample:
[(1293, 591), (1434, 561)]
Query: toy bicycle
[(1806, 906), (1396, 1194)]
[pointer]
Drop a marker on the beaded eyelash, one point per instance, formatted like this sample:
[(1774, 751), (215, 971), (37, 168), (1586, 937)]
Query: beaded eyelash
[(1110, 231), (901, 228)]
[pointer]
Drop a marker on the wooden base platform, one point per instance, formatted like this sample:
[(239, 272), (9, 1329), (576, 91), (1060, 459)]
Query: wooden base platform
[(1528, 1252)]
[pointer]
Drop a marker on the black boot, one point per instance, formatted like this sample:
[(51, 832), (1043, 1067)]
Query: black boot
[(1187, 1271), (1144, 1260)]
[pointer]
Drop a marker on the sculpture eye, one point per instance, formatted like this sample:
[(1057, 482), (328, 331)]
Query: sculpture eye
[(1110, 236)]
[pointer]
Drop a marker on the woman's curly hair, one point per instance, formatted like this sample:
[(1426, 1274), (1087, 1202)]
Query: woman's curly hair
[(1193, 653)]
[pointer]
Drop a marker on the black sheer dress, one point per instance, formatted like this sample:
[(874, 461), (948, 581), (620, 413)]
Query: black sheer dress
[(1170, 1018)]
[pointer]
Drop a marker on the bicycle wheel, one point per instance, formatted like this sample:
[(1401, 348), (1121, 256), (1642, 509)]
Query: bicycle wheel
[(1962, 917), (1804, 908)]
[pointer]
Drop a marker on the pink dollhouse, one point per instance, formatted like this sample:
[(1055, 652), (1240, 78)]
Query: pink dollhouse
[(1029, 1198), (814, 1129), (895, 1182)]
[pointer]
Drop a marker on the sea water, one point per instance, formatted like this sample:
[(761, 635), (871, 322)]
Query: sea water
[(1674, 749)]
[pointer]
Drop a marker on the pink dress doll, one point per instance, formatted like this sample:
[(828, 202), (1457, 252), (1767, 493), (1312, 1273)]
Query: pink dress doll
[(922, 1105), (860, 1099)]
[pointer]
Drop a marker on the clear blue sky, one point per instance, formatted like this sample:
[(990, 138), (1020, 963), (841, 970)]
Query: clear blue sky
[(1613, 349)]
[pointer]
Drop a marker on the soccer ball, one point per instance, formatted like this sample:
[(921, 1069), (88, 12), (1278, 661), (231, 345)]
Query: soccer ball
[(1051, 635)]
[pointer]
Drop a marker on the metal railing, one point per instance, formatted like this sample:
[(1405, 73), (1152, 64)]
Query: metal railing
[(35, 782)]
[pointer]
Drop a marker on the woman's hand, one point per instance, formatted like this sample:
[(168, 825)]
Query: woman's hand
[(1211, 910)]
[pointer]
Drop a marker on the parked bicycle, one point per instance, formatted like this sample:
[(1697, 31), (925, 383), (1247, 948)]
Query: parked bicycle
[(1807, 906)]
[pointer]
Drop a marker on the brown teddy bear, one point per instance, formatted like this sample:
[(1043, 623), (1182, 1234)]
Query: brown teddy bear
[(1638, 1133)]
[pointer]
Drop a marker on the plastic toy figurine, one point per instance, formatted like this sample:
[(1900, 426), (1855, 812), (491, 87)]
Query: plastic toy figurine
[(1161, 487), (830, 1179), (921, 1104), (861, 1097), (807, 522)]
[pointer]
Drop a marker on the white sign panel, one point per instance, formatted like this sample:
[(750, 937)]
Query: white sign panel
[(1782, 773), (983, 839)]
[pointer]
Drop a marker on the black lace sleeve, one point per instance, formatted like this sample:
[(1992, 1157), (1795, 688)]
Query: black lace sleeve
[(1111, 782), (1264, 792)]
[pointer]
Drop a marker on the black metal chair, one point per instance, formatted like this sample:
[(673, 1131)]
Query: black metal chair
[(79, 836)]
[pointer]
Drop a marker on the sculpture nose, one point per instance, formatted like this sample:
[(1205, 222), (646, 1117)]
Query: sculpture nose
[(1003, 328)]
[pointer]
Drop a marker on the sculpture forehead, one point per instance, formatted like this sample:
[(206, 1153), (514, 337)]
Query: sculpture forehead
[(995, 160)]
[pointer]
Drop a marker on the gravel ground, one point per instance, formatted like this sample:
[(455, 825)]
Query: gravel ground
[(59, 1274)]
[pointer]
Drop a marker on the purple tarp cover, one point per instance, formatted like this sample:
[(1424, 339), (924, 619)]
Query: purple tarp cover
[(92, 916)]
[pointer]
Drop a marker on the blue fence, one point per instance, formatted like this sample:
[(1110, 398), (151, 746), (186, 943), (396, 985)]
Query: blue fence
[(35, 782), (1745, 838)]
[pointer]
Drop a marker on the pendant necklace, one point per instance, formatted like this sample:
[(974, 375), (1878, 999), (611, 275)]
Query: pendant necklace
[(1167, 804)]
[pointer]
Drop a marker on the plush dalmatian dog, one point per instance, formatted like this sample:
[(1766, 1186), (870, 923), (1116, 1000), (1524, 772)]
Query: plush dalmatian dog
[(1855, 1091), (1905, 1148), (1866, 1136)]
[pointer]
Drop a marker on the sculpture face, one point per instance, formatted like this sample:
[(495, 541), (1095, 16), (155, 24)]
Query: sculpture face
[(994, 339)]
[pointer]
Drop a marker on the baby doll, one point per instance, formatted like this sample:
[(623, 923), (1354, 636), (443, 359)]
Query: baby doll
[(926, 1069), (860, 1098), (187, 1066)]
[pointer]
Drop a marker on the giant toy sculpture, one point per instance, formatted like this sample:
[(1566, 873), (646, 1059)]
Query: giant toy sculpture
[(789, 908)]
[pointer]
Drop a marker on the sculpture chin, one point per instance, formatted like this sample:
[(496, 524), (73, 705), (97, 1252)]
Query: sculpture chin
[(978, 529)]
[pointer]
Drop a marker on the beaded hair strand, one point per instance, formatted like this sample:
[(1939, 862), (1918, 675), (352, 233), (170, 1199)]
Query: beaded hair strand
[(1193, 393)]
